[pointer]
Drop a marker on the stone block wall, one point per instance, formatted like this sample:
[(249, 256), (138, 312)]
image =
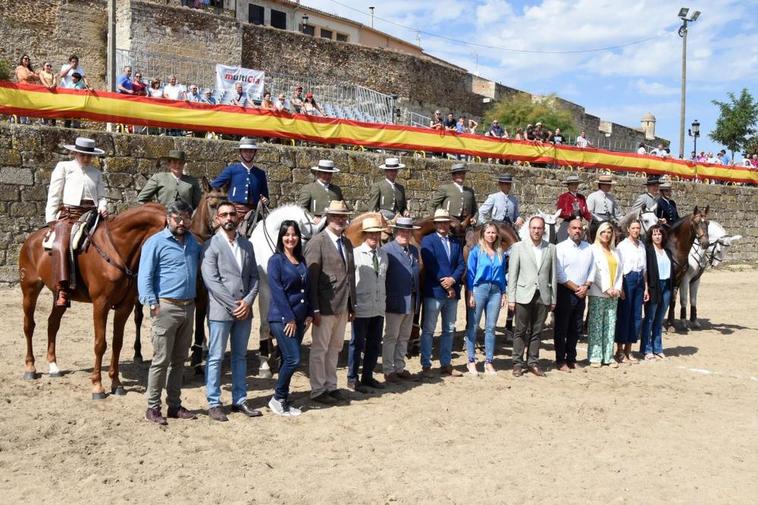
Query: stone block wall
[(28, 155)]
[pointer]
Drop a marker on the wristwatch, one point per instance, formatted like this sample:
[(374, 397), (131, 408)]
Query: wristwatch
[(153, 306)]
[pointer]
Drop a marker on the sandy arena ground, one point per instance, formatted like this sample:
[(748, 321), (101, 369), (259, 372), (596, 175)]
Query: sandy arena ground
[(683, 430)]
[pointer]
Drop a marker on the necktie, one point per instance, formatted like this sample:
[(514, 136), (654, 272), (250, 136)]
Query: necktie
[(446, 243), (342, 253), (375, 259)]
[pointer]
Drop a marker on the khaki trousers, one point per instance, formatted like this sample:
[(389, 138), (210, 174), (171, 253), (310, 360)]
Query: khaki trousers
[(327, 340), (397, 332), (172, 336)]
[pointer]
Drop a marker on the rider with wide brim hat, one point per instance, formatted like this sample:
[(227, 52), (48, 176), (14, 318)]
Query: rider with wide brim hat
[(666, 209), (649, 199), (602, 204), (76, 187), (501, 207), (247, 185), (315, 197), (572, 204), (388, 196), (167, 187), (456, 198)]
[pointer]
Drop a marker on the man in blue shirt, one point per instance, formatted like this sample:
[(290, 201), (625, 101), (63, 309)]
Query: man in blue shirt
[(166, 282), (247, 183), (124, 82)]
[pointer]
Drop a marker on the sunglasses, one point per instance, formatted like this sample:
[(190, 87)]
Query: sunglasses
[(180, 219)]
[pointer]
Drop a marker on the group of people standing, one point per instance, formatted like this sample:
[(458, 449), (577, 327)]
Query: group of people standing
[(327, 283)]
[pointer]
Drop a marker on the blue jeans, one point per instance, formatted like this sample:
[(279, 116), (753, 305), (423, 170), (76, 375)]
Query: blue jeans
[(629, 316), (432, 309), (487, 297), (652, 341), (289, 347), (367, 334), (220, 332)]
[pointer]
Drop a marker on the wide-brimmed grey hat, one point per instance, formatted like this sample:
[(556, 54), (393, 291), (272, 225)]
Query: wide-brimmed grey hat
[(325, 166), (248, 143), (85, 146), (176, 154), (392, 164), (572, 179), (505, 178), (405, 223), (652, 179), (458, 167)]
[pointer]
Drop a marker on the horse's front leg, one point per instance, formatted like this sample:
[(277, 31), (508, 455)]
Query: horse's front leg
[(100, 318), (119, 323), (31, 294), (53, 325), (138, 318)]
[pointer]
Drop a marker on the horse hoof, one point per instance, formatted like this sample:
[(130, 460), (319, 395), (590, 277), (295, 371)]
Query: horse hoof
[(55, 374), (30, 376), (98, 396), (118, 391)]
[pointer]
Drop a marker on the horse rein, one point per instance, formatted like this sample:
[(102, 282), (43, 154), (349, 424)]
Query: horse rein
[(121, 264)]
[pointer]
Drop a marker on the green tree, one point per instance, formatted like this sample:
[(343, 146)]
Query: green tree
[(5, 69), (517, 111), (736, 122), (751, 147)]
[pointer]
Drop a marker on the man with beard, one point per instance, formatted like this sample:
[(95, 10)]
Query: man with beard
[(167, 282), (231, 277)]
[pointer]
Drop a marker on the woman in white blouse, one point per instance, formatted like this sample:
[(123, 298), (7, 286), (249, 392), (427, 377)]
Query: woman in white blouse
[(660, 285), (633, 264), (603, 298)]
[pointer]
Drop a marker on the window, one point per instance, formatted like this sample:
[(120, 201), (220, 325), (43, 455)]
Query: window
[(341, 37), (255, 14), (279, 19), (326, 34), (309, 30)]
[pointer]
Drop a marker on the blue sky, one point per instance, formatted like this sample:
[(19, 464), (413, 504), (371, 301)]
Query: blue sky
[(620, 84)]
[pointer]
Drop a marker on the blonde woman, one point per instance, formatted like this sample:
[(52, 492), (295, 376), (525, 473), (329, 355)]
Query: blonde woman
[(485, 285), (603, 295)]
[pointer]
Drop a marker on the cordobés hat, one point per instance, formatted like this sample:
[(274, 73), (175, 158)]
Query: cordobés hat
[(458, 167), (176, 154), (392, 164), (505, 178), (652, 179), (572, 179), (605, 179), (248, 143), (664, 182), (372, 224), (325, 166), (85, 146), (441, 216), (337, 207), (405, 223)]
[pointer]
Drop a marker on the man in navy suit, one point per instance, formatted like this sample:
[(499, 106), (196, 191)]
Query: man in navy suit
[(443, 273)]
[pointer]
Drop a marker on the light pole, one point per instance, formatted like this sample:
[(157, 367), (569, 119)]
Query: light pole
[(694, 132), (691, 18), (372, 15)]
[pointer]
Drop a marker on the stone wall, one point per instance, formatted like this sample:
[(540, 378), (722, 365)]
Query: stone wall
[(29, 154), (52, 30)]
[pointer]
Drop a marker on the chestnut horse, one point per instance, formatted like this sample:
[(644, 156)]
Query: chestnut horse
[(105, 277), (353, 231)]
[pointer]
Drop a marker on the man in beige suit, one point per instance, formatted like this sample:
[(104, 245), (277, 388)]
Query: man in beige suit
[(532, 290), (331, 271)]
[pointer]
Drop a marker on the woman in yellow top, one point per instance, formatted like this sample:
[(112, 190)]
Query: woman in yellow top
[(603, 295)]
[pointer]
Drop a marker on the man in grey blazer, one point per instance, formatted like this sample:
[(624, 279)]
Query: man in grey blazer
[(532, 290), (331, 272), (231, 277)]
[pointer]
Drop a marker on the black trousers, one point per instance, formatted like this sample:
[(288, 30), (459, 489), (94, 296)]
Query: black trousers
[(530, 318), (569, 314)]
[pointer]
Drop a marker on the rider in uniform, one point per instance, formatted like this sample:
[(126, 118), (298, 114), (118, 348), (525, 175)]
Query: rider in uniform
[(76, 186), (501, 206), (602, 204), (458, 200), (167, 187), (666, 206), (648, 199), (388, 196), (315, 197), (247, 183), (572, 204)]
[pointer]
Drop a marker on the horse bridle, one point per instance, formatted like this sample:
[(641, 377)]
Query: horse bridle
[(120, 264)]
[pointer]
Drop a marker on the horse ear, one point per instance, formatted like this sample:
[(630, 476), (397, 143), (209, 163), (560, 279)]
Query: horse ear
[(205, 184), (696, 211)]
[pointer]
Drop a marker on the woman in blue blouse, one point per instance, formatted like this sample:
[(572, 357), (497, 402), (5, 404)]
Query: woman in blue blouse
[(289, 313), (485, 285)]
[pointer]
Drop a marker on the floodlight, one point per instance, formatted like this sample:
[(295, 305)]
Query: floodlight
[(683, 12), (695, 15)]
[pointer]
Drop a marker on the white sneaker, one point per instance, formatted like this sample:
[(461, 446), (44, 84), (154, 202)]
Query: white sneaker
[(472, 369), (282, 408)]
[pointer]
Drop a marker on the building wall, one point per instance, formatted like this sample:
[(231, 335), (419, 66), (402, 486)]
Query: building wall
[(28, 155)]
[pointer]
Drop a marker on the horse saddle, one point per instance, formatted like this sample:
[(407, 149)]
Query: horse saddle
[(81, 231)]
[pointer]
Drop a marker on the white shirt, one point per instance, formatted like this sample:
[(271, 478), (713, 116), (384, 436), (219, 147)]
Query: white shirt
[(632, 256), (664, 264), (173, 91), (66, 81), (581, 142), (575, 262), (234, 246), (392, 184), (537, 249), (70, 183)]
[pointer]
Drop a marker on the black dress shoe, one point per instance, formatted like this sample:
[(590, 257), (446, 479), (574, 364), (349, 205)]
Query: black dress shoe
[(518, 370), (372, 383), (324, 398), (357, 387), (247, 410), (154, 416), (217, 414), (338, 396)]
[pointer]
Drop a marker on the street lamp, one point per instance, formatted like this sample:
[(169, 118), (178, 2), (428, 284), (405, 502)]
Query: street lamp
[(305, 23), (694, 132), (372, 15), (686, 17)]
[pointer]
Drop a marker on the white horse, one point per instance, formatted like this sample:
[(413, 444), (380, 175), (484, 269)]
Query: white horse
[(551, 231), (646, 217), (263, 238), (699, 260)]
